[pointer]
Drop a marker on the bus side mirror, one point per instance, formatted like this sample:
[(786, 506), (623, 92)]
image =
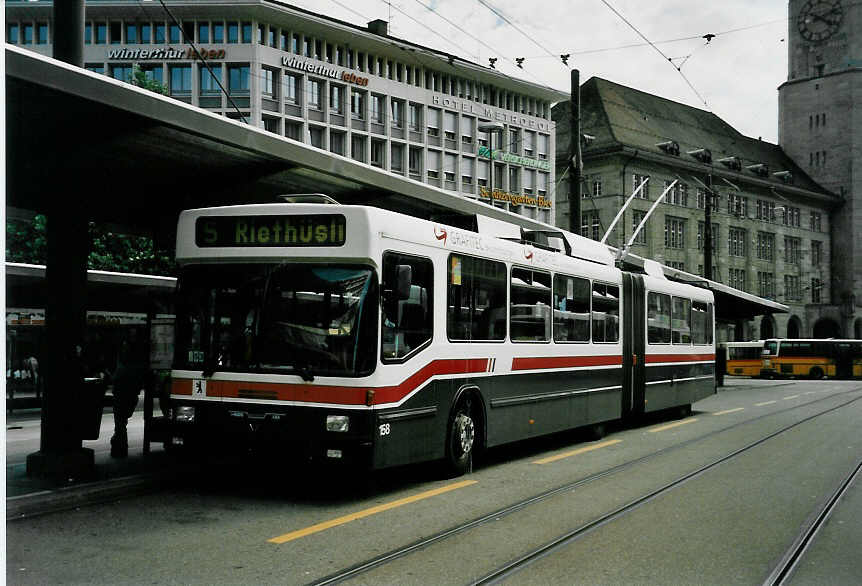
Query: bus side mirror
[(404, 279)]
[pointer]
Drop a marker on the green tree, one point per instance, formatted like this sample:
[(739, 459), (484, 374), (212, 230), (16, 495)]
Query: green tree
[(26, 242), (140, 79)]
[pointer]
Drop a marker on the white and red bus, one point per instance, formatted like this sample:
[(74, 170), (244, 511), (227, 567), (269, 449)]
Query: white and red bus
[(354, 334)]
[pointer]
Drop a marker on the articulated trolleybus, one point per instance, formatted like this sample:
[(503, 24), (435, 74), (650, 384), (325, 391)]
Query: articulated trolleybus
[(353, 334)]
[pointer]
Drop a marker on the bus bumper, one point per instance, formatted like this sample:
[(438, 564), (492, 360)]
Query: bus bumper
[(283, 434)]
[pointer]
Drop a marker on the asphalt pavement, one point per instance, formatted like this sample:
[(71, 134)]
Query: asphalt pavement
[(115, 478)]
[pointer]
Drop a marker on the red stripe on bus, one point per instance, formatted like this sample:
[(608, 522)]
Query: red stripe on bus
[(564, 362), (678, 357), (336, 395)]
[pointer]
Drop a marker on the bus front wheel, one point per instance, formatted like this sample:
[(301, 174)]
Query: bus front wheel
[(816, 373), (461, 438)]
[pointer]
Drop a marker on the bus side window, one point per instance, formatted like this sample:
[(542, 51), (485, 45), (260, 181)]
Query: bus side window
[(407, 323), (571, 309), (606, 313), (701, 323), (475, 299), (681, 321), (530, 306), (658, 318)]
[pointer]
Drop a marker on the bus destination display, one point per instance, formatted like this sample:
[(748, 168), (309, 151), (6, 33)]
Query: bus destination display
[(264, 231)]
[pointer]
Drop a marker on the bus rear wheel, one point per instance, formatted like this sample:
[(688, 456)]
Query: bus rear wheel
[(816, 373), (461, 439)]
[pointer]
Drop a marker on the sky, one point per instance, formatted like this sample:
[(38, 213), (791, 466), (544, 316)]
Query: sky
[(735, 75)]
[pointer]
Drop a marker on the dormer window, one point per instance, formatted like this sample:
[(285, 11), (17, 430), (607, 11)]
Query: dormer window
[(759, 169), (785, 176), (670, 147), (732, 163), (702, 155)]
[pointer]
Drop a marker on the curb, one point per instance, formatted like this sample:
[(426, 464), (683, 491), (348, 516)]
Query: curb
[(72, 497)]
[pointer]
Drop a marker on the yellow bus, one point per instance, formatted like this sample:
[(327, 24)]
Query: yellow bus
[(744, 358), (812, 358)]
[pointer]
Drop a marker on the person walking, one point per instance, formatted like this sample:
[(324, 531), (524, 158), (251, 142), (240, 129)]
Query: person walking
[(130, 377)]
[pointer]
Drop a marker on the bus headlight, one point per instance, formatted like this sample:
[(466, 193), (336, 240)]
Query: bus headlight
[(184, 414), (337, 423)]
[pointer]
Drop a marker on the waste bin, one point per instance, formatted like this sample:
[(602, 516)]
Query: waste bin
[(91, 397)]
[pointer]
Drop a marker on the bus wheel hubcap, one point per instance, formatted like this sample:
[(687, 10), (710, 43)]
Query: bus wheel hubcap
[(464, 425)]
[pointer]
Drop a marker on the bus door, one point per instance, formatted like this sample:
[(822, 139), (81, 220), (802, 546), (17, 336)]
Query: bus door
[(634, 345)]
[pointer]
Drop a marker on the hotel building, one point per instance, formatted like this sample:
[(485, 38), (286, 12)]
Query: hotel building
[(352, 90)]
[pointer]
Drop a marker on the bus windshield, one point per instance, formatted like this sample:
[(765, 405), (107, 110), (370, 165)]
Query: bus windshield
[(770, 348), (303, 319)]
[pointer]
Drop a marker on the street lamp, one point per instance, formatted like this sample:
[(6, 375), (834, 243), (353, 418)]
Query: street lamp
[(491, 128)]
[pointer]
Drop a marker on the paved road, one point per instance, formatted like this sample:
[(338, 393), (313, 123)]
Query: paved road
[(249, 522)]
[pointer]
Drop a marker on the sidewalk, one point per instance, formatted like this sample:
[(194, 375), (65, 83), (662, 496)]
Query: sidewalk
[(113, 478)]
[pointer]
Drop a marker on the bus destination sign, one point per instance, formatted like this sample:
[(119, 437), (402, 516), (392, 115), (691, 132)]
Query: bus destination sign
[(267, 231)]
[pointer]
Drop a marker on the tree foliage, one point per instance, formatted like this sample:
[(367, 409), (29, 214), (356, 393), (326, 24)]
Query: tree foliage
[(27, 242), (140, 79)]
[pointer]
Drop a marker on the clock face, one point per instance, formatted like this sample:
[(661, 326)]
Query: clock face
[(819, 19)]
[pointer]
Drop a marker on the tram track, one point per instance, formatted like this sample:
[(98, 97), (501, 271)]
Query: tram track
[(786, 566), (521, 562)]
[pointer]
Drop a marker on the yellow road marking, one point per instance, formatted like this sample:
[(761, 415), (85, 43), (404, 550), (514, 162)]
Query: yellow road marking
[(730, 411), (765, 403), (368, 512), (791, 397), (550, 459), (671, 425)]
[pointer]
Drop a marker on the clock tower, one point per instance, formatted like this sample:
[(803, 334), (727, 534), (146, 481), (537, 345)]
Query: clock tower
[(820, 128)]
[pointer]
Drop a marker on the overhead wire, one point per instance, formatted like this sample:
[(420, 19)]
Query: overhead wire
[(659, 51)]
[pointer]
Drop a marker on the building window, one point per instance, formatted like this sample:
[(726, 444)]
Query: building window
[(336, 98), (736, 242), (529, 143), (95, 67), (765, 246), (173, 34), (357, 104), (314, 94), (123, 73), (131, 34), (238, 79), (597, 185), (357, 148), (88, 33), (181, 79), (765, 210), (637, 179), (397, 151), (246, 33), (816, 290), (792, 250), (12, 32), (766, 284), (398, 113), (736, 278), (203, 32), (336, 142), (116, 33), (233, 32), (433, 122), (678, 195), (144, 34), (378, 151), (792, 288), (814, 221), (293, 130), (291, 88), (637, 218), (210, 80), (544, 141), (267, 83), (315, 135), (737, 205), (450, 125), (674, 232), (816, 253), (432, 163), (159, 33), (449, 165), (701, 228), (467, 165), (378, 107), (680, 266), (273, 37), (415, 162), (542, 183), (591, 224), (467, 130), (269, 124)]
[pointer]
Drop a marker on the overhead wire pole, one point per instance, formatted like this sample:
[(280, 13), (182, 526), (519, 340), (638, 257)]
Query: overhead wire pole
[(575, 155), (623, 209), (707, 229)]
